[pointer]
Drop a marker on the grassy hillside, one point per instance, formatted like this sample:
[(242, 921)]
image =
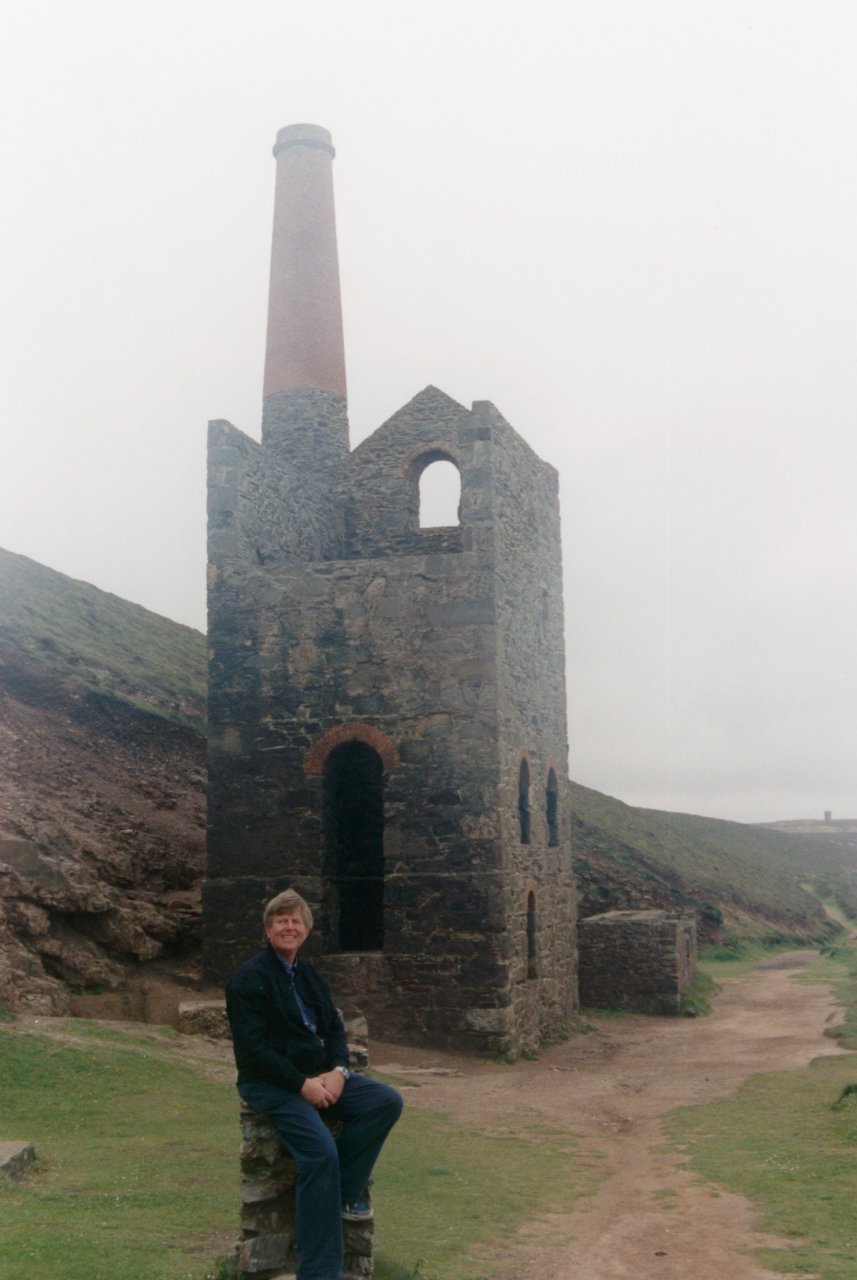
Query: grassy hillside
[(738, 878), (56, 629), (827, 861)]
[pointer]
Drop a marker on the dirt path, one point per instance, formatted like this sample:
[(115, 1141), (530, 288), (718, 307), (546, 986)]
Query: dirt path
[(613, 1088)]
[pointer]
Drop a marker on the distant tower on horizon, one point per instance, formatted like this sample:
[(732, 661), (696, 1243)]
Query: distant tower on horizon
[(387, 710)]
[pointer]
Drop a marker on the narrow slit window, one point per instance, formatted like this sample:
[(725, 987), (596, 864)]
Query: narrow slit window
[(552, 809), (524, 801), (532, 925)]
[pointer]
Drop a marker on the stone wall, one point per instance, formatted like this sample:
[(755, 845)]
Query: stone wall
[(637, 960), (532, 726)]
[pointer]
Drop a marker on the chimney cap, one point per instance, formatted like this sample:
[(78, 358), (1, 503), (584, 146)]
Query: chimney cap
[(304, 135)]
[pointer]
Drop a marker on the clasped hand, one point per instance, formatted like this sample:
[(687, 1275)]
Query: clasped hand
[(322, 1091)]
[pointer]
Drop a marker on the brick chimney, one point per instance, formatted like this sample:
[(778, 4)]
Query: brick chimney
[(304, 388)]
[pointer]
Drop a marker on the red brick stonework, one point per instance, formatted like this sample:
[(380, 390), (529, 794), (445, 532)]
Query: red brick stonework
[(318, 753)]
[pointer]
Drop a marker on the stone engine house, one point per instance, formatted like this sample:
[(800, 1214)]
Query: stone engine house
[(387, 701)]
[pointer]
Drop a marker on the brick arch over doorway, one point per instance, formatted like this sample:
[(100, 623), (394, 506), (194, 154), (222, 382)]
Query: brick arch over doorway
[(375, 738)]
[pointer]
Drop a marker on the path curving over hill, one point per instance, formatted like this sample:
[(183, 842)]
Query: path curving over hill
[(614, 1088)]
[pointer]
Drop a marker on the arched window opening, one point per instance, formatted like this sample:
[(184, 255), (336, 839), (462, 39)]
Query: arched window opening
[(524, 801), (552, 812), (532, 925), (354, 839), (440, 495)]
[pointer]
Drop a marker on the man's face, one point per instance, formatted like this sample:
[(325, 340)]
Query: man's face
[(286, 934)]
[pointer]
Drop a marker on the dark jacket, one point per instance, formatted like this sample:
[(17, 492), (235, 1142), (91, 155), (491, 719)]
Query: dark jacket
[(271, 1043)]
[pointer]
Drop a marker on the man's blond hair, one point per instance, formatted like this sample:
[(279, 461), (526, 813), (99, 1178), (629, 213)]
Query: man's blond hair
[(285, 904)]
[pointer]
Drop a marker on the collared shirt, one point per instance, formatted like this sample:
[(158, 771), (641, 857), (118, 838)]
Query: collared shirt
[(305, 1012)]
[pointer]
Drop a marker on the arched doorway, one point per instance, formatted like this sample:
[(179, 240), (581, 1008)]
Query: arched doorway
[(354, 841)]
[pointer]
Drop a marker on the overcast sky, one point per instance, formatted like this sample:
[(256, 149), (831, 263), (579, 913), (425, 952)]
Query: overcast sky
[(630, 225)]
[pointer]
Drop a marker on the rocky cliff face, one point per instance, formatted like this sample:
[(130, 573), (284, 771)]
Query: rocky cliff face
[(102, 790)]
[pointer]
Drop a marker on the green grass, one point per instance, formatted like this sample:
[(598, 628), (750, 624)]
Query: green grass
[(136, 1176), (157, 1040), (696, 1000), (781, 1144), (788, 1141), (442, 1189), (737, 956), (838, 966), (133, 1173)]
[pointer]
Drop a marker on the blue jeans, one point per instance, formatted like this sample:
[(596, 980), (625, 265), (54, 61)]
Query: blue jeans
[(330, 1173)]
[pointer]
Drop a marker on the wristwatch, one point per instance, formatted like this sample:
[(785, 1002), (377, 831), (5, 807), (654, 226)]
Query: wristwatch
[(344, 1072)]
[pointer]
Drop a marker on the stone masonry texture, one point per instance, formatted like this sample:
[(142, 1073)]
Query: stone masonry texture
[(637, 960), (334, 616)]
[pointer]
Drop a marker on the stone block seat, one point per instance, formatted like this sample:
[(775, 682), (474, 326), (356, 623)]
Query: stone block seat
[(268, 1175), (266, 1250)]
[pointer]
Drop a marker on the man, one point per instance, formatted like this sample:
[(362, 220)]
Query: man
[(292, 1060)]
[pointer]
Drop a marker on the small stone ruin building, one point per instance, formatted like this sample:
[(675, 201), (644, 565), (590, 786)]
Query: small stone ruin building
[(642, 961), (387, 708)]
